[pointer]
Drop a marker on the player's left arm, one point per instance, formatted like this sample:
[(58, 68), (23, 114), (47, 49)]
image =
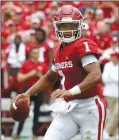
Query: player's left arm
[(93, 77)]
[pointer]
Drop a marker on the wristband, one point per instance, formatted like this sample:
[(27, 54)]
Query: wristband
[(75, 90)]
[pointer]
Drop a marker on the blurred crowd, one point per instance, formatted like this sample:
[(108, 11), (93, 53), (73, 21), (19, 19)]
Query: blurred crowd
[(28, 38)]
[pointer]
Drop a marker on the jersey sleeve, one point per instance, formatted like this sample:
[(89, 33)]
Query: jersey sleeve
[(87, 46), (53, 68), (88, 59)]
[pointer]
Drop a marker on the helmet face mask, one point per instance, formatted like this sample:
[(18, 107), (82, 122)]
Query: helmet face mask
[(68, 24), (68, 35)]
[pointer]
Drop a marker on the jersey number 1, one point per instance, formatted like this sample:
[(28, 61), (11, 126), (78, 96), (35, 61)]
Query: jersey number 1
[(86, 46)]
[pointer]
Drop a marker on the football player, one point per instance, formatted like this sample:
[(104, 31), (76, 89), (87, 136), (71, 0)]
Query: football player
[(75, 63)]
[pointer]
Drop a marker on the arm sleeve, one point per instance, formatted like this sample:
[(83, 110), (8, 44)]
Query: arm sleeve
[(54, 68), (87, 59)]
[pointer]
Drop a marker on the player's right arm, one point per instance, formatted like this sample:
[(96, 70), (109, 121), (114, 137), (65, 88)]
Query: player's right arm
[(42, 85)]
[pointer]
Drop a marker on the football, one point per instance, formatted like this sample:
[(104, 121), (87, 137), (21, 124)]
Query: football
[(19, 109)]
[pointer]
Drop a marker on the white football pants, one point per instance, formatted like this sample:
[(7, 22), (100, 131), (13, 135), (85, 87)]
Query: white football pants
[(88, 118)]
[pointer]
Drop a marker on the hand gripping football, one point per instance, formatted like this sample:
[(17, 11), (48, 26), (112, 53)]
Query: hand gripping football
[(19, 109)]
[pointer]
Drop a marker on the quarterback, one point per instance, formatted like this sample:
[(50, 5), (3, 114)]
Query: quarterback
[(75, 64)]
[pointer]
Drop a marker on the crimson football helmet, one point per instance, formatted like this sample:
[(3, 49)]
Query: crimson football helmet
[(68, 14)]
